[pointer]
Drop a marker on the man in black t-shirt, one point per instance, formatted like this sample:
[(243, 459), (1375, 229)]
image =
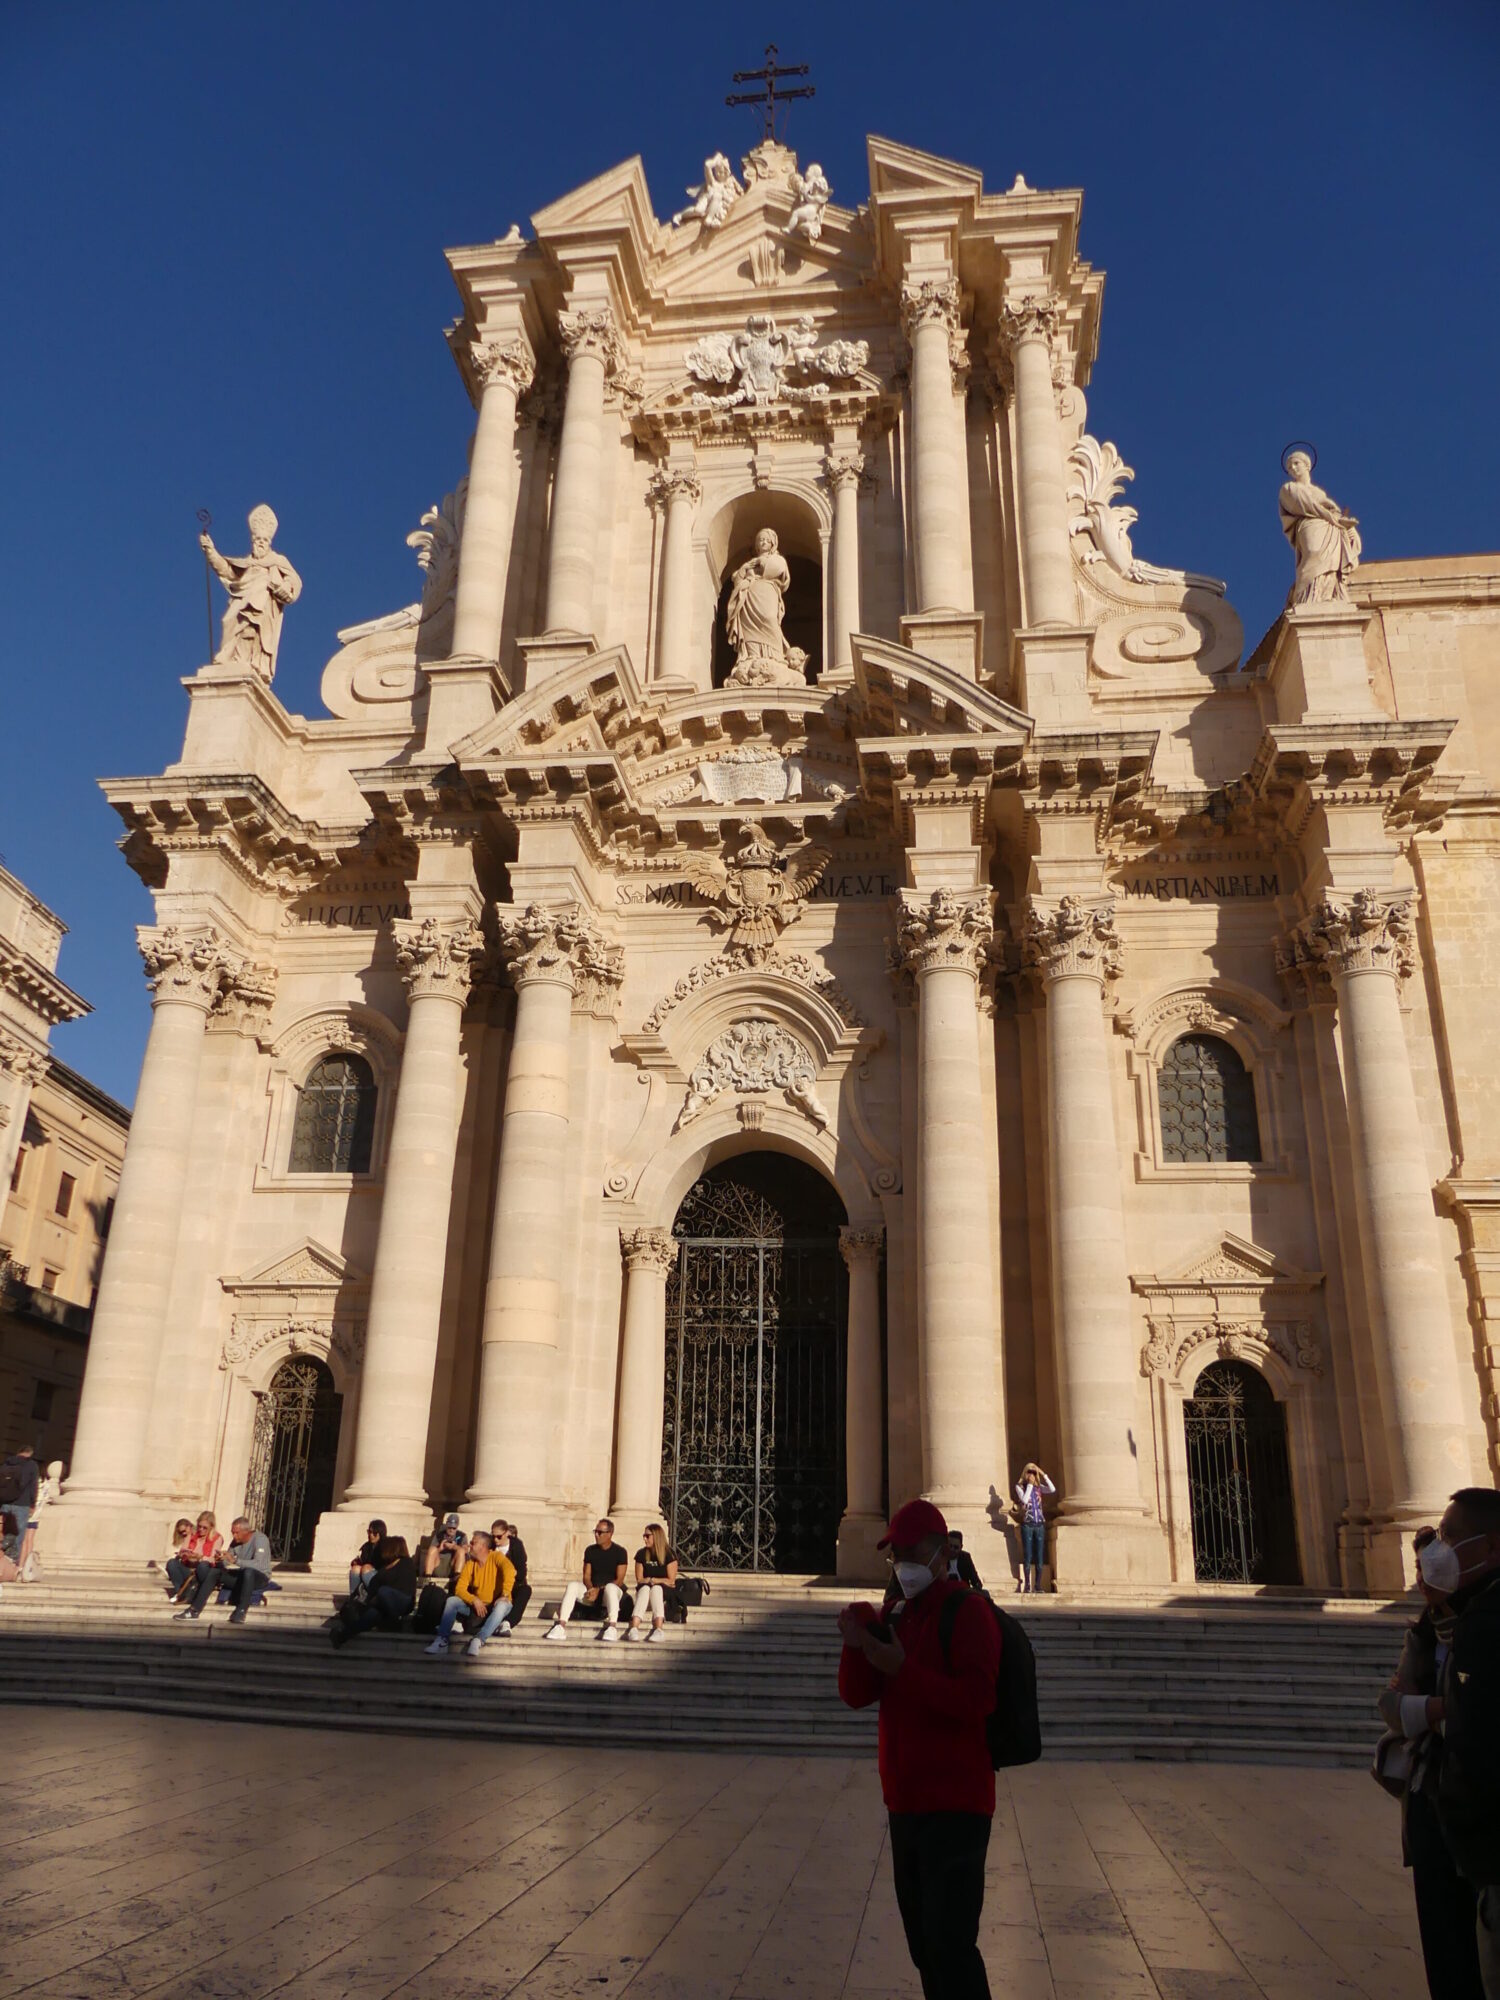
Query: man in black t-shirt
[(603, 1565)]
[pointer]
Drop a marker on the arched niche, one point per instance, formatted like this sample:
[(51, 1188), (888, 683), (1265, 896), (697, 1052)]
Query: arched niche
[(802, 526)]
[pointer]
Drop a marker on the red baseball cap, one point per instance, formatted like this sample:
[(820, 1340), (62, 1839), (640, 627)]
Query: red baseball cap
[(914, 1523)]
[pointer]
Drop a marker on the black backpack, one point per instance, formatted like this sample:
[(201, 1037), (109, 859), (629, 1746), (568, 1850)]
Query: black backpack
[(10, 1482), (1013, 1727)]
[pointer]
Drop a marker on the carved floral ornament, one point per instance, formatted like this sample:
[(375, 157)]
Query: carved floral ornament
[(1077, 940), (319, 1337), (509, 363), (1365, 933), (795, 966), (845, 469), (1293, 1342), (1035, 317), (649, 1249), (436, 958), (183, 964), (754, 1057), (765, 363), (561, 944), (947, 931), (861, 1246)]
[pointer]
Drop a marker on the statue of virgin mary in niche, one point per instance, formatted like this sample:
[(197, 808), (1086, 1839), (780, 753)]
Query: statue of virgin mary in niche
[(753, 617)]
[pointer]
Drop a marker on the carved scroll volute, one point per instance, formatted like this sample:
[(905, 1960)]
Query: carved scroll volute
[(184, 964), (947, 930), (436, 958)]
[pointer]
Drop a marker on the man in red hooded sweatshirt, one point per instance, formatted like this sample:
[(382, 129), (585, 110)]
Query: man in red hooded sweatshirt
[(935, 1768)]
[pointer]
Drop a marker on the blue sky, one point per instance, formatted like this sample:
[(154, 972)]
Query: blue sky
[(221, 256)]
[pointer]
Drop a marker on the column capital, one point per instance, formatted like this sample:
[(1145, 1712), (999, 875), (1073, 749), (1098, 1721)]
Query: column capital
[(930, 302), (245, 999), (1037, 316), (436, 958), (592, 331), (844, 469), (672, 482), (1365, 932), (27, 1065), (1074, 940), (861, 1246), (559, 945), (650, 1249), (944, 930), (510, 362), (183, 963)]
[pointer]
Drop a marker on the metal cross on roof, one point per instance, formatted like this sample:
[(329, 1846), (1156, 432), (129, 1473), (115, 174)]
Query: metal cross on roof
[(768, 97)]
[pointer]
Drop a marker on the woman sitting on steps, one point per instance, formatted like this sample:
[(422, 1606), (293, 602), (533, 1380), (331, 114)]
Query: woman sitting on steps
[(655, 1575)]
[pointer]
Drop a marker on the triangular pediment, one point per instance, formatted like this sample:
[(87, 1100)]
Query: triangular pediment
[(584, 707), (1233, 1262), (617, 196), (306, 1265), (896, 170)]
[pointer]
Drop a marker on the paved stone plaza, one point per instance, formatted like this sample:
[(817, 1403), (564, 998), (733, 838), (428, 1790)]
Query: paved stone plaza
[(146, 1856)]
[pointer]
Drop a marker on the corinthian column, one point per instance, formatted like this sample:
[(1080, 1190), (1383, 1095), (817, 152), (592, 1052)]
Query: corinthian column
[(845, 469), (1027, 328), (549, 952), (411, 1254), (944, 939), (186, 969), (591, 342), (1075, 949), (484, 553), (930, 316), (649, 1256), (864, 1407), (1366, 944), (677, 493)]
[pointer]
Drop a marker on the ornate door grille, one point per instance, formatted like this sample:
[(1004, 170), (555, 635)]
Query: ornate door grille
[(292, 1456), (1239, 1479), (753, 1436)]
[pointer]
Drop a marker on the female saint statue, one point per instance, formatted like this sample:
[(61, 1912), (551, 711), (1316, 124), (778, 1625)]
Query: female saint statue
[(1324, 539), (757, 605)]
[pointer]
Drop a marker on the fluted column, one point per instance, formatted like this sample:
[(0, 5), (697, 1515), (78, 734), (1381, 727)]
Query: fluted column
[(939, 487), (1366, 943), (864, 1395), (186, 969), (944, 938), (591, 343), (484, 552), (845, 469), (1075, 949), (549, 951), (677, 493), (649, 1256), (1027, 328), (411, 1254)]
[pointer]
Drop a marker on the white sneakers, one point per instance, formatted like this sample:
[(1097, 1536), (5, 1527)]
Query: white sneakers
[(559, 1631), (657, 1632), (635, 1635), (610, 1632), (476, 1647), (438, 1650)]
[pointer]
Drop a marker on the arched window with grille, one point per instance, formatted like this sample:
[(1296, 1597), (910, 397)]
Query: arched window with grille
[(335, 1124), (1207, 1099)]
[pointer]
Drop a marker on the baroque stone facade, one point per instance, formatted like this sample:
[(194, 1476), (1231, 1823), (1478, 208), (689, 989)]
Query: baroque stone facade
[(791, 760)]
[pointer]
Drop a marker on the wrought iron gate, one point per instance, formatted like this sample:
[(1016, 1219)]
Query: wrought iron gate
[(292, 1456), (1239, 1478), (753, 1434)]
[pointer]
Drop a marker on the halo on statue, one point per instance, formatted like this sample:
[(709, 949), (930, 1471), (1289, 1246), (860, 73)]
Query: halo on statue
[(1299, 444)]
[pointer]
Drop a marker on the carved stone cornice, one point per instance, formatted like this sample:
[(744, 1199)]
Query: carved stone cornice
[(38, 990), (844, 469), (945, 932), (436, 958), (648, 1249), (184, 964), (1076, 940), (860, 1246), (672, 483), (511, 363), (560, 945), (592, 331), (1035, 317), (1364, 932), (246, 997)]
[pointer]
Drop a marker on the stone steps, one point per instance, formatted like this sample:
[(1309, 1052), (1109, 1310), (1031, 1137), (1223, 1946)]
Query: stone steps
[(753, 1669)]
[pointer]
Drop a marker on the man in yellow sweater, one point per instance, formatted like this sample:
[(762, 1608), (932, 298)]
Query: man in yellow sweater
[(481, 1597)]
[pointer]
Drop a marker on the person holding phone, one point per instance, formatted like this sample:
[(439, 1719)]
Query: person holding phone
[(444, 1549), (1033, 1488)]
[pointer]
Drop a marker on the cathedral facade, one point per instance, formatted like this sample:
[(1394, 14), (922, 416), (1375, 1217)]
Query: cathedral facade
[(805, 971)]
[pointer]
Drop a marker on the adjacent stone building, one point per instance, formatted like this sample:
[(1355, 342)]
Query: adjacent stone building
[(805, 971)]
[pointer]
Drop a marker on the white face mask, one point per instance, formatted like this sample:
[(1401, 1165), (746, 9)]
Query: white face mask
[(1440, 1566), (913, 1578)]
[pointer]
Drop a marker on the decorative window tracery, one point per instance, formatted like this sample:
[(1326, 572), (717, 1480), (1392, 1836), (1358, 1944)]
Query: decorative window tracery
[(334, 1129), (1207, 1101)]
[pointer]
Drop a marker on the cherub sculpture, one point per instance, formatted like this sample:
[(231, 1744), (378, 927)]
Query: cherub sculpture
[(714, 198), (260, 587), (812, 195), (758, 893), (1324, 539)]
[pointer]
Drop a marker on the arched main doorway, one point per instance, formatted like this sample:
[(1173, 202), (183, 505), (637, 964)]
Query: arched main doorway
[(293, 1455), (1239, 1479), (753, 1432)]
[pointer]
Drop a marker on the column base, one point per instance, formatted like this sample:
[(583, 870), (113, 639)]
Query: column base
[(955, 639), (552, 653), (341, 1531), (554, 1533), (105, 1531), (858, 1558), (1095, 1550)]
